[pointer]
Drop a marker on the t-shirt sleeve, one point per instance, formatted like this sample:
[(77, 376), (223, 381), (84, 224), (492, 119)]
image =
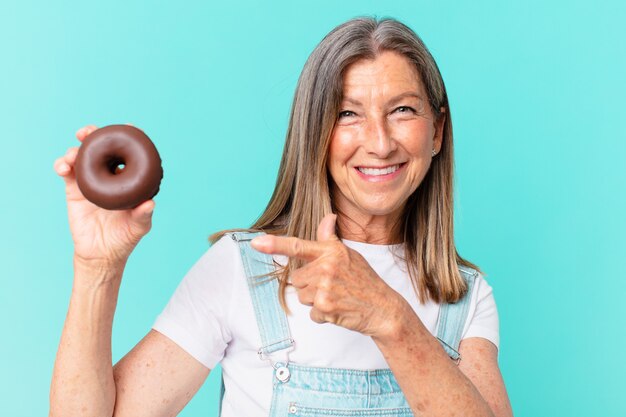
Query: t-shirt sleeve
[(482, 320), (196, 317)]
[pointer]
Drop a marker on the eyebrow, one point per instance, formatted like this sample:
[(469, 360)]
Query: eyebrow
[(394, 100)]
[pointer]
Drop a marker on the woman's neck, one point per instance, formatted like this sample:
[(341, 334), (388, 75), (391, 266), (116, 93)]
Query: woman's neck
[(380, 230)]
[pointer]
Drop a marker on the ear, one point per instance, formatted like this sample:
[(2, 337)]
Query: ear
[(439, 125)]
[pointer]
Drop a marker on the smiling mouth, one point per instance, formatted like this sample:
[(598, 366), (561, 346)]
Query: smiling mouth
[(379, 171)]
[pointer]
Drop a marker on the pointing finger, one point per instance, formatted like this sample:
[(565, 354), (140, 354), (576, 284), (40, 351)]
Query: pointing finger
[(289, 246)]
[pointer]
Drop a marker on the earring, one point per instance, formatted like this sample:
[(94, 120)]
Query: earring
[(434, 153)]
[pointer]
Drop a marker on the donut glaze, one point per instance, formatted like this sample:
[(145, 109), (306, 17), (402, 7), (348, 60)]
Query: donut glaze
[(99, 176)]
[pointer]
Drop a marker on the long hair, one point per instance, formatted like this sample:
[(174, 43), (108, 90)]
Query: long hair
[(302, 194)]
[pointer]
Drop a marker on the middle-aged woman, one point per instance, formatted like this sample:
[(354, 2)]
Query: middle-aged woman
[(346, 298)]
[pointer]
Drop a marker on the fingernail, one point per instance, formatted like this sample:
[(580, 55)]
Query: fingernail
[(259, 242), (64, 167)]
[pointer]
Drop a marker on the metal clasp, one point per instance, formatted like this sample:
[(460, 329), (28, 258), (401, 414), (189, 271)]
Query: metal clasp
[(281, 367), (239, 239), (264, 356)]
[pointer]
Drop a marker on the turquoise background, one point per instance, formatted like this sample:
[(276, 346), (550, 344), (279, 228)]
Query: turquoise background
[(536, 91)]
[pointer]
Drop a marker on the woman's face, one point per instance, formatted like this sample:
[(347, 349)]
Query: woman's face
[(382, 143)]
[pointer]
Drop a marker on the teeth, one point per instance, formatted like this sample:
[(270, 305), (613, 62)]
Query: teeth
[(377, 171)]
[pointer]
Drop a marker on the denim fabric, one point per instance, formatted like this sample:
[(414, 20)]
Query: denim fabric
[(313, 391), (338, 392), (270, 316), (452, 317)]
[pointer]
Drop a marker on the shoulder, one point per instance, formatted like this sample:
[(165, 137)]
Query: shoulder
[(231, 256), (215, 267), (221, 253)]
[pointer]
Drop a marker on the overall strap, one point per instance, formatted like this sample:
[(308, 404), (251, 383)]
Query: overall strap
[(452, 318), (270, 317)]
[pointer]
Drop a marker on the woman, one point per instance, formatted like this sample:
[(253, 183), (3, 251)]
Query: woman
[(358, 234)]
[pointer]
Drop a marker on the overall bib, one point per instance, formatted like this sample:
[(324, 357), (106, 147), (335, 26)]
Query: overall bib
[(314, 391)]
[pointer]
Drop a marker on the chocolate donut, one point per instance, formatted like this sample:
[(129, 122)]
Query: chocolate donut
[(98, 173)]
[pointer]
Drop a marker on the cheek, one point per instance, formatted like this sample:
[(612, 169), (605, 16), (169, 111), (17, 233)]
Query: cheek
[(416, 138), (342, 147)]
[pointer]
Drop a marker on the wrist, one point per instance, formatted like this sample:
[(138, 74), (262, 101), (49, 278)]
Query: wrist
[(98, 264), (97, 271), (398, 318)]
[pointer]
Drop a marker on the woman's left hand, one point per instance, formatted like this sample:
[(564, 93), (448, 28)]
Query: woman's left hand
[(337, 282)]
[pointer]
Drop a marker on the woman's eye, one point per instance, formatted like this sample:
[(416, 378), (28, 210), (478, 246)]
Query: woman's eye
[(346, 113), (405, 109)]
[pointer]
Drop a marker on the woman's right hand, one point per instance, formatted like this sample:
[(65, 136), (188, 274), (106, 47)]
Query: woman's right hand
[(101, 237)]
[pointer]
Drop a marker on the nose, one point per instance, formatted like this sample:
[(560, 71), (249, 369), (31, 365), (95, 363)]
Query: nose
[(378, 140)]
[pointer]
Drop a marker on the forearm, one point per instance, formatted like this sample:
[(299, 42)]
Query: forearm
[(431, 382), (82, 381)]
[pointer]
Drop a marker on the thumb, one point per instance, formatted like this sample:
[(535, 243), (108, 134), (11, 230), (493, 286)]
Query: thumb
[(326, 228), (143, 212)]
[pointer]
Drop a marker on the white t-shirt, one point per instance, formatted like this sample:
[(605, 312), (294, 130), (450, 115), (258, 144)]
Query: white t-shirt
[(211, 317)]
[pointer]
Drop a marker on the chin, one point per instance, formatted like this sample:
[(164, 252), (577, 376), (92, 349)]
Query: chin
[(381, 209)]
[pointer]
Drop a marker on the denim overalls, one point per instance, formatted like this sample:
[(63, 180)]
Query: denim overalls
[(313, 391)]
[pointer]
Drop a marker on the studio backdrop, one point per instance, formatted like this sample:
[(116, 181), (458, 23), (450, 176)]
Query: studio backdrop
[(536, 93)]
